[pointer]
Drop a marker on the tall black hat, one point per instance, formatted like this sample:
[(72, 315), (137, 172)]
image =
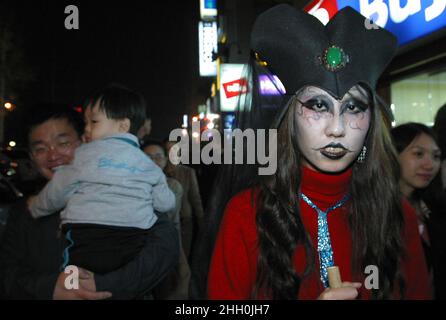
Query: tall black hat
[(301, 51)]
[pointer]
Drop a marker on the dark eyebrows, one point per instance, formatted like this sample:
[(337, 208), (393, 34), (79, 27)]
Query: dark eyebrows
[(60, 135), (425, 149), (63, 135), (35, 143)]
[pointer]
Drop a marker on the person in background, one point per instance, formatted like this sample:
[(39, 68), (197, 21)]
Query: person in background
[(191, 212), (440, 131), (143, 133), (419, 157), (176, 284), (31, 249), (111, 190)]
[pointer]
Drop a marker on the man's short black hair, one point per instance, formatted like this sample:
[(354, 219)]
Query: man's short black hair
[(119, 102), (56, 112)]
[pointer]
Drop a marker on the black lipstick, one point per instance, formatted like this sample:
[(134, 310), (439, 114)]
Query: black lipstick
[(334, 151)]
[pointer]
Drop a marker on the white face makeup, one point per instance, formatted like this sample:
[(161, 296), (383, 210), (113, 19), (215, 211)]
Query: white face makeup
[(331, 132)]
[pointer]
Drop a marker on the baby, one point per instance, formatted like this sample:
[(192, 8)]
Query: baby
[(111, 190)]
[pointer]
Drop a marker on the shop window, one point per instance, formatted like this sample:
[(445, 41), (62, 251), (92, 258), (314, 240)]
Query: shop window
[(417, 99)]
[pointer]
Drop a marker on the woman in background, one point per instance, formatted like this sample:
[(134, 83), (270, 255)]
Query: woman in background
[(419, 157)]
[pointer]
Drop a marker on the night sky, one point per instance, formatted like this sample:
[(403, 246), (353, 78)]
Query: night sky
[(149, 46)]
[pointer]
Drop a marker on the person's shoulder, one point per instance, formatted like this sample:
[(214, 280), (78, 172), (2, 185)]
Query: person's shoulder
[(88, 148), (174, 185), (240, 216), (246, 196), (185, 169), (410, 218), (244, 204), (408, 210), (120, 140)]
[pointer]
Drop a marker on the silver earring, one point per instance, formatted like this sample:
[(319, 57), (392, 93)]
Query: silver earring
[(362, 155)]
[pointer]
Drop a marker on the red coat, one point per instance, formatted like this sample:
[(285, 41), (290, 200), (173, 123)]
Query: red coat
[(233, 267)]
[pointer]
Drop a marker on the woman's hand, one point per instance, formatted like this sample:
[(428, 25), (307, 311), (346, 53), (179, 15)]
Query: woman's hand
[(348, 291)]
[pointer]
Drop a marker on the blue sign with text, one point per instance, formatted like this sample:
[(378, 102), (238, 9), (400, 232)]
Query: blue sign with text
[(407, 19)]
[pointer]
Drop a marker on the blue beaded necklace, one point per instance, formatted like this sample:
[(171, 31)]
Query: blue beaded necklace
[(323, 236)]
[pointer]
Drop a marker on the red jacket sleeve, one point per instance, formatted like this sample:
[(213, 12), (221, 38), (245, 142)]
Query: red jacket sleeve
[(418, 284), (231, 275)]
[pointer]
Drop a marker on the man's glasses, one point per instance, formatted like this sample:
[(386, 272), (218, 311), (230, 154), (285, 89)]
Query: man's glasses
[(42, 149)]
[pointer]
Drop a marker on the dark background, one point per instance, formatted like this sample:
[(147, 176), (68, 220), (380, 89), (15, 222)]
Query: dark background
[(149, 46)]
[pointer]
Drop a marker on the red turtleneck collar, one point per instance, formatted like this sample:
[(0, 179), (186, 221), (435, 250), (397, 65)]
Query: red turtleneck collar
[(325, 189)]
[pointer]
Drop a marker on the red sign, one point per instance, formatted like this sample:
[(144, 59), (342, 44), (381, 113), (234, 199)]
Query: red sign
[(235, 88), (324, 10)]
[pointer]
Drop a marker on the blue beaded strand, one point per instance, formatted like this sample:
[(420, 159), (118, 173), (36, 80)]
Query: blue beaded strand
[(323, 236)]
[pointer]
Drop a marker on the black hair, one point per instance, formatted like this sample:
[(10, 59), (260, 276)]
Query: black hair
[(404, 134), (119, 102), (440, 130), (56, 112), (152, 143)]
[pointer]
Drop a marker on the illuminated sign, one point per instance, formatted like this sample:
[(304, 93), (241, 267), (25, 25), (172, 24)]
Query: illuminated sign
[(208, 9), (229, 121), (207, 46), (232, 86), (235, 88), (270, 85), (408, 20)]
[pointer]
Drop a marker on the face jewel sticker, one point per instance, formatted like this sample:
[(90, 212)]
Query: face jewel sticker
[(334, 58)]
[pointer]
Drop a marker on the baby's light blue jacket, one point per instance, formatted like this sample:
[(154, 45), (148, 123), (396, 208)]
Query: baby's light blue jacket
[(110, 182)]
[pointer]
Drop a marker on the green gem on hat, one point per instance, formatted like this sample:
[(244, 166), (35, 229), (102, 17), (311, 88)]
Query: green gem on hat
[(334, 58)]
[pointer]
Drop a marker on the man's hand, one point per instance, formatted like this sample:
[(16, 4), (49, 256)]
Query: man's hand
[(30, 201), (86, 290)]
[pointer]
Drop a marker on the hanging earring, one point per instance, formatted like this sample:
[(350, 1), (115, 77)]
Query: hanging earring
[(362, 155)]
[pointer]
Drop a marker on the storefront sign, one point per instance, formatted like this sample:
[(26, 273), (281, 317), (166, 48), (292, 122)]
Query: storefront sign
[(207, 46), (407, 19), (233, 86), (208, 9)]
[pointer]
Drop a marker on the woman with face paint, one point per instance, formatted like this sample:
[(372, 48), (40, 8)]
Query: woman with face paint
[(334, 199), (419, 156)]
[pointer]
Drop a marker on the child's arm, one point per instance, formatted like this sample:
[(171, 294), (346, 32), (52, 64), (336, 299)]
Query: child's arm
[(56, 193), (163, 197)]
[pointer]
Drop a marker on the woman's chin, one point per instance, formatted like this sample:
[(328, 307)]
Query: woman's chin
[(329, 166)]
